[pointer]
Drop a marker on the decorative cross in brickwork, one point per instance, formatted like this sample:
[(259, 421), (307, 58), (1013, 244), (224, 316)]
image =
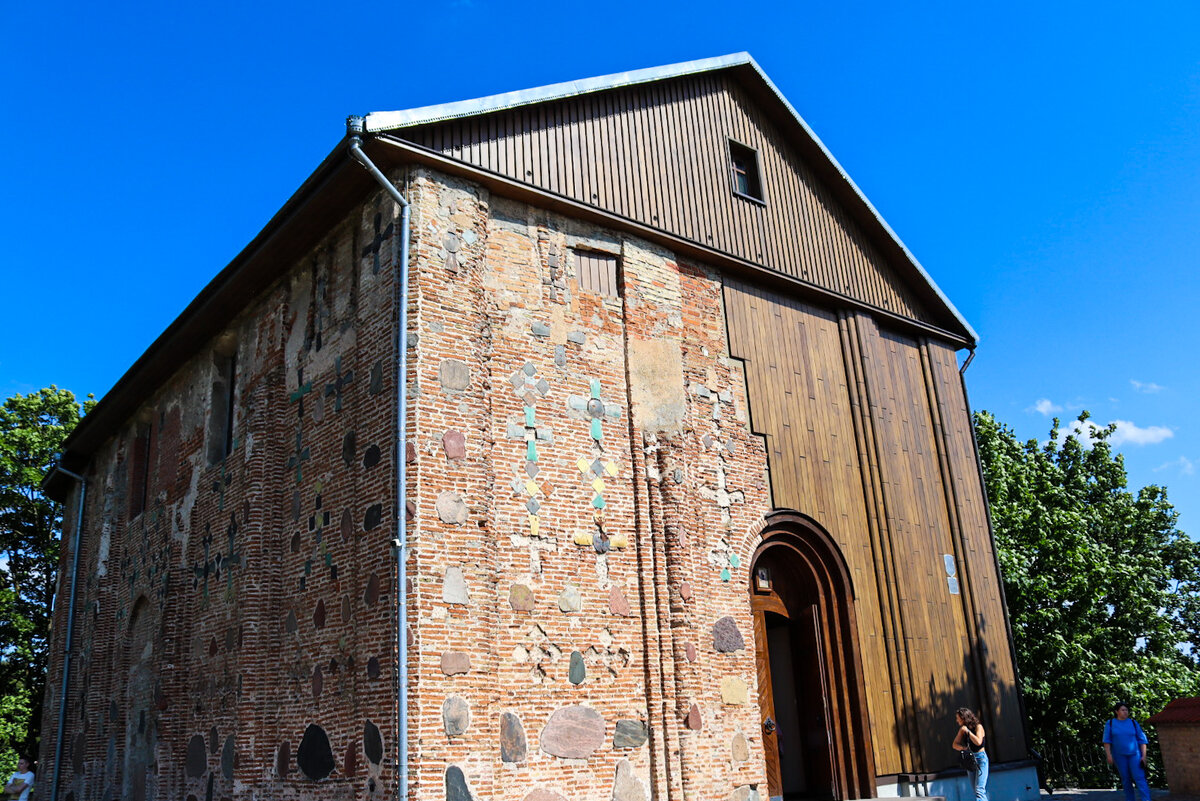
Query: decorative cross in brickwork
[(202, 571), (231, 559), (302, 389), (220, 484), (320, 300), (373, 247), (334, 388), (300, 456)]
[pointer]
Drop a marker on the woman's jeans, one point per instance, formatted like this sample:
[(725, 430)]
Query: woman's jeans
[(981, 776), (1130, 768)]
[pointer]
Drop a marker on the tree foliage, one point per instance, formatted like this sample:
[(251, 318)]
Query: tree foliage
[(32, 430), (1103, 590)]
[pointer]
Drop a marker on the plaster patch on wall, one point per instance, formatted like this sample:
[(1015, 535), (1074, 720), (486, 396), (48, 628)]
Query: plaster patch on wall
[(656, 384)]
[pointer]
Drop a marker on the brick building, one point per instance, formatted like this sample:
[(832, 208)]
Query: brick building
[(689, 497), (1178, 726)]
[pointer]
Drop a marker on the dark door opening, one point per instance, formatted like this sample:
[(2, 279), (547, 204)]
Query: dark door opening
[(816, 739)]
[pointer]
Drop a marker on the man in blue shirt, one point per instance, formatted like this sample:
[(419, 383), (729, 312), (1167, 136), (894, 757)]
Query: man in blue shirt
[(1125, 745)]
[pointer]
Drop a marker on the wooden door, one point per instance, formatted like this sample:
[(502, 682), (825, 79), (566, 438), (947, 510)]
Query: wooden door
[(766, 702)]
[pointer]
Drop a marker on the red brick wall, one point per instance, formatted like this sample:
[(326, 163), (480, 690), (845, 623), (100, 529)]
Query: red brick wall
[(1180, 747)]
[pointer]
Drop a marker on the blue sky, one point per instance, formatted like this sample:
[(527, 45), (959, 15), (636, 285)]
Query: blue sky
[(1042, 160)]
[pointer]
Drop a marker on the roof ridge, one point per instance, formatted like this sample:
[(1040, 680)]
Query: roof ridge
[(380, 121)]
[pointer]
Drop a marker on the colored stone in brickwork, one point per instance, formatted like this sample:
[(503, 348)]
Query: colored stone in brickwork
[(576, 337), (520, 598), (290, 624), (733, 691), (630, 734), (346, 609), (726, 636), (685, 591), (544, 795), (456, 716), (349, 448), (618, 604), (455, 662), (318, 681), (451, 508), (454, 586), (744, 793), (373, 668), (539, 330), (214, 740), (197, 758), (371, 594), (577, 671), (350, 760), (283, 759), (560, 356), (531, 453), (677, 475), (373, 517), (597, 430), (372, 456), (318, 617), (314, 757), (512, 739), (376, 384), (583, 538), (627, 786), (347, 525), (569, 600), (739, 748), (454, 444), (410, 453), (456, 785), (372, 743), (600, 542), (573, 732), (454, 375), (694, 721), (228, 758)]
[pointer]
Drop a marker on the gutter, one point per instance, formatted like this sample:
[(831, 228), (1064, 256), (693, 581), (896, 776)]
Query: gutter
[(66, 676), (354, 129)]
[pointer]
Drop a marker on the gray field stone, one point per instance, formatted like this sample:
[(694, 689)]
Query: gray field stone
[(520, 598), (578, 670), (630, 734), (454, 375), (455, 662), (451, 508), (512, 739), (454, 587), (626, 785), (739, 748), (569, 600), (456, 716), (456, 785), (726, 636)]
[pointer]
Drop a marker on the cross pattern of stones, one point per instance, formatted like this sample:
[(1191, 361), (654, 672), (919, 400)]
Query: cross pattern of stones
[(372, 248), (334, 388), (530, 388), (300, 455), (302, 389)]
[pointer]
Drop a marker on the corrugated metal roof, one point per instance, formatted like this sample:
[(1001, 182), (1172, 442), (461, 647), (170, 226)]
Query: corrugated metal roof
[(383, 121), (1181, 710)]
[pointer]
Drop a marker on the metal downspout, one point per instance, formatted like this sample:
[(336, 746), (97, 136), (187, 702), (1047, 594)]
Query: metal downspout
[(355, 127), (66, 677)]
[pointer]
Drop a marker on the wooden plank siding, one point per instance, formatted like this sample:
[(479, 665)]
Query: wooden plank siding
[(658, 154), (868, 433)]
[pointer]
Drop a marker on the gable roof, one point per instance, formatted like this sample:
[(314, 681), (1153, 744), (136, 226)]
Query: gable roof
[(1181, 710), (745, 67), (338, 183)]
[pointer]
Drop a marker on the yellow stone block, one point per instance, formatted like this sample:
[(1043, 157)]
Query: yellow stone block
[(583, 538), (733, 691), (534, 525), (531, 487), (610, 468), (598, 485), (619, 541), (583, 465)]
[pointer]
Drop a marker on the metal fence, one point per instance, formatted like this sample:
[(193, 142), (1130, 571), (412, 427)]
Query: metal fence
[(1084, 765)]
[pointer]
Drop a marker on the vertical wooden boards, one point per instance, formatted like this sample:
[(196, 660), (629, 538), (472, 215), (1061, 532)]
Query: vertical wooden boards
[(658, 153), (1006, 737), (867, 432), (800, 401)]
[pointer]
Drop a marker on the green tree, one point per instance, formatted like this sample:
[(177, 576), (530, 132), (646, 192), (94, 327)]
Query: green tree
[(1103, 590), (32, 430)]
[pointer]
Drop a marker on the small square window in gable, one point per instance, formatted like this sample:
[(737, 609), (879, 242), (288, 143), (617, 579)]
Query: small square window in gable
[(747, 179), (597, 273)]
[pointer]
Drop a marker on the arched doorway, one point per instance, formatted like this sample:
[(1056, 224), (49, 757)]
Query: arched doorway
[(816, 733)]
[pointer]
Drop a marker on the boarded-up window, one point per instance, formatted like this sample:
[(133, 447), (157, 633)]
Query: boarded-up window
[(220, 425), (139, 471), (597, 272)]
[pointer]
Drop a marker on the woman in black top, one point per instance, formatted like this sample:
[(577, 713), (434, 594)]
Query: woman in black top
[(971, 737)]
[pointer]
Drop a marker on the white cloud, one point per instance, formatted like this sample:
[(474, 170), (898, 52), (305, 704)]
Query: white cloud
[(1045, 406), (1127, 433), (1135, 435), (1183, 464), (1148, 388)]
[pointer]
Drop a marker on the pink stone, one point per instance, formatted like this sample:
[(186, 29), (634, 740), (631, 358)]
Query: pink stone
[(694, 721), (618, 604), (685, 591), (455, 662), (573, 732), (689, 650), (454, 444), (544, 795)]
